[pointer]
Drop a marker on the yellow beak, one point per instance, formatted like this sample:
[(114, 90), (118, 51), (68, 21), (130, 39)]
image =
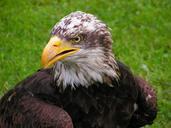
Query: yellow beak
[(56, 50)]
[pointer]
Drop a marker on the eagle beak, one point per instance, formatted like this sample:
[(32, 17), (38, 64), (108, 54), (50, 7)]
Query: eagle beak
[(56, 50)]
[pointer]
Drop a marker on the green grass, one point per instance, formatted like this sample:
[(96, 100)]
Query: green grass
[(141, 31)]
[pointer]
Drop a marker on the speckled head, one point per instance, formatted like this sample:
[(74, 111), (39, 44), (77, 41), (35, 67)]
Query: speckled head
[(85, 24), (77, 22)]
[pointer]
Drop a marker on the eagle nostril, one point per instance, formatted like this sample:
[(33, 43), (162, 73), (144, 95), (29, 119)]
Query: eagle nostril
[(55, 45)]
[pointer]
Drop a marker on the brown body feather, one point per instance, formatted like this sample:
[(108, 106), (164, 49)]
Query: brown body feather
[(37, 103)]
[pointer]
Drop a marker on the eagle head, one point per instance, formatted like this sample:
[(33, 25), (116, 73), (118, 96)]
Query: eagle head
[(80, 51)]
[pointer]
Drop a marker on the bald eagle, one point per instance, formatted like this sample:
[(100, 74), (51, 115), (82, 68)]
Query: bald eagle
[(81, 84)]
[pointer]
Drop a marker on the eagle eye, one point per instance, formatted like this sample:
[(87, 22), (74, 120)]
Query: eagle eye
[(77, 38)]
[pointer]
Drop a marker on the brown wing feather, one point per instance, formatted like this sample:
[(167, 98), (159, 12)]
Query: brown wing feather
[(147, 104), (28, 105), (34, 113)]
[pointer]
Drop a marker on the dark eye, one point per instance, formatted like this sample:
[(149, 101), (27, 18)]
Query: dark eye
[(77, 38)]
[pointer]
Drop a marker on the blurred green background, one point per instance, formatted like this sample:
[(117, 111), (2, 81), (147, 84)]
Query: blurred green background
[(141, 31)]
